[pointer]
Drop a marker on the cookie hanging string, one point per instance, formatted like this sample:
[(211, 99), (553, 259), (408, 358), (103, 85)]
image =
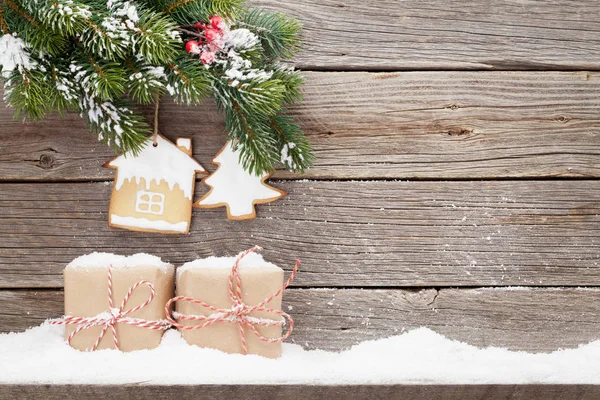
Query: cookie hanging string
[(155, 136)]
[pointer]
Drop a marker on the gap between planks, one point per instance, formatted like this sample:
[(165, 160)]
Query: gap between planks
[(300, 178)]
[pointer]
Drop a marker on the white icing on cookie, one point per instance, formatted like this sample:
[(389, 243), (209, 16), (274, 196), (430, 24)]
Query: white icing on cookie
[(164, 162), (144, 223), (236, 188)]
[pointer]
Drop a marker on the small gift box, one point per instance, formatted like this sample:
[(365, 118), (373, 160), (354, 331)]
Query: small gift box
[(232, 304), (115, 301)]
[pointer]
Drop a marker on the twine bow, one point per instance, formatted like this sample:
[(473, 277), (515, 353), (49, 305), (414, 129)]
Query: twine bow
[(239, 312), (109, 319)]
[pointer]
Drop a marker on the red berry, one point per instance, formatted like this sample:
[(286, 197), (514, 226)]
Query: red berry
[(207, 57), (216, 22), (192, 47), (211, 34), (200, 26)]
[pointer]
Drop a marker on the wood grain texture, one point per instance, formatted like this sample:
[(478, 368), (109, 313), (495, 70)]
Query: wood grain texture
[(542, 319), (347, 233), (434, 125), (442, 34), (305, 392)]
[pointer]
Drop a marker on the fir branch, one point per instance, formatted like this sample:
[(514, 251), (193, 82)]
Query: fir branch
[(155, 38), (67, 17), (292, 80), (3, 26), (102, 79), (251, 135), (278, 33), (112, 45), (294, 147), (176, 5), (95, 56), (187, 81), (146, 82), (38, 36), (28, 93), (115, 123), (256, 96), (191, 11), (15, 7), (64, 96), (247, 127), (191, 33)]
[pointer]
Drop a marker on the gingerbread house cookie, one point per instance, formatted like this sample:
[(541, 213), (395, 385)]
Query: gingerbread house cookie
[(153, 191)]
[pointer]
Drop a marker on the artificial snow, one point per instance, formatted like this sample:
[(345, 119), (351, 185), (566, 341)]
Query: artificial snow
[(145, 223), (241, 39), (286, 158), (14, 55), (163, 162), (231, 47), (40, 355), (101, 260), (251, 260)]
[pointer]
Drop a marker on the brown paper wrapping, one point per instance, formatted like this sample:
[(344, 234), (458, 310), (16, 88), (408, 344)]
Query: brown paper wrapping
[(211, 286), (86, 295)]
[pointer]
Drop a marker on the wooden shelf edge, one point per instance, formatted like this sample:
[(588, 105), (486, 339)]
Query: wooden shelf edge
[(307, 392)]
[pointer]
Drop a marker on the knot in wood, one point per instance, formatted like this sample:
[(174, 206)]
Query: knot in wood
[(422, 298), (459, 132), (46, 161)]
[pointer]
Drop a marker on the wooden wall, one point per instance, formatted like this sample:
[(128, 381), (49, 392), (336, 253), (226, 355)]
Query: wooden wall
[(457, 148)]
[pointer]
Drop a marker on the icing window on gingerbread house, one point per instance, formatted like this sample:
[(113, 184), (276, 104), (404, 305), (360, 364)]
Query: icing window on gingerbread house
[(150, 202)]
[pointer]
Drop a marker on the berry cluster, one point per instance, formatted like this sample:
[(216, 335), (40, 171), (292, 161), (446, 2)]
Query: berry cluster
[(210, 39)]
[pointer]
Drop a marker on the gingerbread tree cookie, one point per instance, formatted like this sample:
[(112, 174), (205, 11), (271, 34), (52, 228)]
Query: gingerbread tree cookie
[(235, 188)]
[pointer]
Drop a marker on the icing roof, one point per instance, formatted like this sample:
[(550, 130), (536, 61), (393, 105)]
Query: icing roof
[(164, 162)]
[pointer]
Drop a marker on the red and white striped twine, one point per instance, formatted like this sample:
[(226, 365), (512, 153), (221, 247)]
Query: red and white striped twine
[(239, 312), (115, 316)]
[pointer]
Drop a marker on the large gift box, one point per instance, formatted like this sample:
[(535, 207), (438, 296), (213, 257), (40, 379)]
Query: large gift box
[(135, 319), (206, 295)]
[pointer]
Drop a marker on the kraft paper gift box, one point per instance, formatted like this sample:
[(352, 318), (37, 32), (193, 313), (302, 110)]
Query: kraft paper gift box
[(208, 280), (86, 295)]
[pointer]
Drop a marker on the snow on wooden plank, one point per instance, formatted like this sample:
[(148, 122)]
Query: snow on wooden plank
[(531, 319), (383, 233), (40, 355), (472, 34), (435, 125)]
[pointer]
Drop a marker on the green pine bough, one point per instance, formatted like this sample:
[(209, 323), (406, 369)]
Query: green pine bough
[(103, 58)]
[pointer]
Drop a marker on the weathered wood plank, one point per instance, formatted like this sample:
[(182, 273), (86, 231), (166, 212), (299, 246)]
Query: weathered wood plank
[(306, 392), (373, 125), (346, 233), (532, 319), (441, 34)]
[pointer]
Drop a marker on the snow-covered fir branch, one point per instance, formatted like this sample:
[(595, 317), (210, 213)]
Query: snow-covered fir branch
[(14, 55), (101, 58)]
